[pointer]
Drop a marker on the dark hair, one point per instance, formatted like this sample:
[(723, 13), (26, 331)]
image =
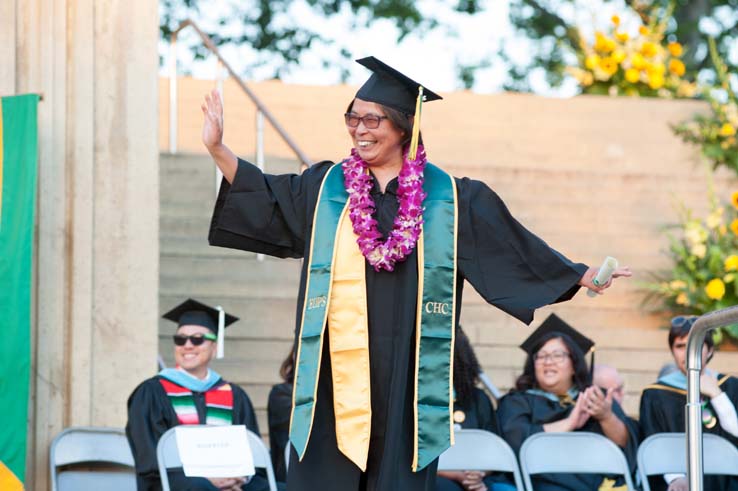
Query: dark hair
[(287, 369), (401, 121), (466, 369), (581, 374), (680, 327)]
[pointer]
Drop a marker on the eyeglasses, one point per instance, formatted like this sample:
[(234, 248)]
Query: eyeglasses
[(195, 339), (371, 121), (682, 320), (557, 357)]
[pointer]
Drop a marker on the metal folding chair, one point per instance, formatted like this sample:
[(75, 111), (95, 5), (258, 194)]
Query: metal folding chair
[(167, 456), (666, 453), (479, 450), (578, 452), (83, 458)]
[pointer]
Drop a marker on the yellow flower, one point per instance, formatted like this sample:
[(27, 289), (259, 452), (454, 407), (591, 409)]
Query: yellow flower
[(644, 30), (637, 61), (715, 289), (603, 43), (622, 36), (728, 278), (649, 49), (734, 226), (592, 61), (699, 250), (618, 55), (632, 75), (655, 81), (722, 229), (677, 285), (734, 199), (731, 263), (675, 49), (727, 130), (615, 20), (682, 299), (677, 67), (608, 65)]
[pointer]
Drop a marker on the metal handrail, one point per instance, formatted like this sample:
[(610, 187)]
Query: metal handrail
[(695, 341), (304, 159)]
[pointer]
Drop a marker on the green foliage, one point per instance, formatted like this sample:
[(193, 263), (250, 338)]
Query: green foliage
[(265, 26), (555, 38)]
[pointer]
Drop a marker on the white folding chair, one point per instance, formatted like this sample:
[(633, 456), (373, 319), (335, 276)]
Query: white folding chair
[(88, 458), (666, 453), (578, 452), (167, 456), (479, 450)]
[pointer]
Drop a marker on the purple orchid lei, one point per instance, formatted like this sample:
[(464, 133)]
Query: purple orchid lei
[(383, 254)]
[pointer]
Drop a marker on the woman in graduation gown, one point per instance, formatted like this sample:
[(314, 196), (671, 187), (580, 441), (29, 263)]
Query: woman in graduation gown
[(472, 410), (201, 395), (554, 394), (371, 401), (662, 406)]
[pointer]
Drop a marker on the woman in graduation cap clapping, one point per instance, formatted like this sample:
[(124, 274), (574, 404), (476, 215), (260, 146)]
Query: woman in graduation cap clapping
[(388, 240), (554, 394)]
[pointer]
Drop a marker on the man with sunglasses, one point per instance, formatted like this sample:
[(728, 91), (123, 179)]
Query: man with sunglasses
[(191, 393), (662, 405)]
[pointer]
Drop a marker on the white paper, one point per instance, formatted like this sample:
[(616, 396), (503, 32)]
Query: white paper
[(214, 451)]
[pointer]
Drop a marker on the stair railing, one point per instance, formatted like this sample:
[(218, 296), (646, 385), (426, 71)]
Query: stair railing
[(262, 112)]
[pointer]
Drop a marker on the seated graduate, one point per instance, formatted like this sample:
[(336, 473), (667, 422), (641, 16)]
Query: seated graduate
[(279, 409), (662, 405), (472, 410), (192, 393), (554, 394)]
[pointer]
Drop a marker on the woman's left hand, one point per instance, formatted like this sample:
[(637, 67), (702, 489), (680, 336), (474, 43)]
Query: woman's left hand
[(587, 279), (597, 404), (473, 481)]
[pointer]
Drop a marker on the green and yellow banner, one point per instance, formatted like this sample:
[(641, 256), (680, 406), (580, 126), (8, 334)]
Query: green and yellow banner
[(18, 164)]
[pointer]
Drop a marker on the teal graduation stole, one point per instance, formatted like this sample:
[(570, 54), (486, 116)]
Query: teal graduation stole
[(436, 308)]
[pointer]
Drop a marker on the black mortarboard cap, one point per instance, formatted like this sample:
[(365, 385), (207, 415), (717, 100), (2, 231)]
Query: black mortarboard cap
[(554, 323), (192, 312), (391, 88)]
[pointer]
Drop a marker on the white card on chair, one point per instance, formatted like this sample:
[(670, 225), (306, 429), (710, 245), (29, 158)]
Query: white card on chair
[(214, 451)]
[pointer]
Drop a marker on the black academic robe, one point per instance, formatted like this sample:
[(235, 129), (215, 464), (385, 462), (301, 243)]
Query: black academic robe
[(279, 408), (478, 414), (663, 411), (150, 415), (509, 266), (522, 414)]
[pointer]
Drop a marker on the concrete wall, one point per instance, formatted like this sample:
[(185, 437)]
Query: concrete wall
[(95, 62), (593, 176)]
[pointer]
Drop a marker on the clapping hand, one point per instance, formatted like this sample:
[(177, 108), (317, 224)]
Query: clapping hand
[(597, 404)]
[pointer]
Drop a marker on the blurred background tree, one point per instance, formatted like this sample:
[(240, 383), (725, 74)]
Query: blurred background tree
[(551, 24)]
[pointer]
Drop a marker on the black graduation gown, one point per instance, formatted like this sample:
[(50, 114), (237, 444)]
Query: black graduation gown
[(662, 411), (509, 266), (279, 407), (150, 415), (479, 414), (522, 414)]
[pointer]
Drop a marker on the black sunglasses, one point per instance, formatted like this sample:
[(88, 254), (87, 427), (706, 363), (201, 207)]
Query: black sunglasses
[(195, 339), (682, 320)]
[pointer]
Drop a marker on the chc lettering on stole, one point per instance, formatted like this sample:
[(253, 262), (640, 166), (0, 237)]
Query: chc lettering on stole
[(317, 302), (437, 308)]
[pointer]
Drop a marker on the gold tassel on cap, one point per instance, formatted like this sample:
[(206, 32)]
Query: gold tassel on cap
[(416, 126)]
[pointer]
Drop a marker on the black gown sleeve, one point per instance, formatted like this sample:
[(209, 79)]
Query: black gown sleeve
[(279, 407), (486, 414), (653, 413), (508, 265), (516, 420), (266, 213)]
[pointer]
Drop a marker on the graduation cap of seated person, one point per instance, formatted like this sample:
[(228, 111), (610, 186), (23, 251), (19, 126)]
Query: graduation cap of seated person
[(394, 89), (191, 312), (554, 323)]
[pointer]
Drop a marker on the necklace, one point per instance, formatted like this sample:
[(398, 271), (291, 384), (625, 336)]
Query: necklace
[(402, 239)]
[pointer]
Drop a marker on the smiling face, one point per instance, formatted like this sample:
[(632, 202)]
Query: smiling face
[(194, 359), (379, 146), (554, 368)]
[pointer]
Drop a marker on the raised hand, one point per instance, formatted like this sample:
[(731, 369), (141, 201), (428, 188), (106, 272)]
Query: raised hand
[(212, 127), (587, 278)]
